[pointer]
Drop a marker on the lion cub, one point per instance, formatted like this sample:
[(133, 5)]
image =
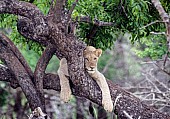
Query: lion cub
[(91, 56)]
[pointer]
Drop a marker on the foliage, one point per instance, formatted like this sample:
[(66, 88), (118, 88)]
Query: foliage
[(128, 15), (4, 94), (8, 23)]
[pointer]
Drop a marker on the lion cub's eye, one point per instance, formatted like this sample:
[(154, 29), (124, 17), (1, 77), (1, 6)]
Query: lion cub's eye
[(86, 59), (95, 58)]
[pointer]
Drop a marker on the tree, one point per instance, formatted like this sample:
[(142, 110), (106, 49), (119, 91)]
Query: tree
[(56, 32)]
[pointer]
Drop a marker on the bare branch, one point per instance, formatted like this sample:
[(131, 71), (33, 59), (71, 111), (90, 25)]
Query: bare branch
[(92, 34), (158, 33), (165, 18), (161, 10), (163, 69), (124, 9), (165, 59), (96, 22), (152, 24)]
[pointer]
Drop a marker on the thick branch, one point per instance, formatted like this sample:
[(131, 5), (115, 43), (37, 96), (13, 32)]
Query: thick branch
[(26, 28), (29, 30), (125, 102), (19, 8), (17, 53), (58, 11), (21, 74)]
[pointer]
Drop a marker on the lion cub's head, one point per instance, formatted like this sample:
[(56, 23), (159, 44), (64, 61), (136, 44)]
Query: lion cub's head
[(91, 56)]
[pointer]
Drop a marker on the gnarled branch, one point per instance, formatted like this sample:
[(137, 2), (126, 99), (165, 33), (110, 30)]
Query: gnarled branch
[(19, 8), (24, 80)]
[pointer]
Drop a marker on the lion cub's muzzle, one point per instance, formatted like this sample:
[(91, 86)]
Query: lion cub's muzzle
[(91, 69)]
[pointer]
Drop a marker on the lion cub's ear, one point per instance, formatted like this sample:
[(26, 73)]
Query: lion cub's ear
[(98, 52), (85, 52)]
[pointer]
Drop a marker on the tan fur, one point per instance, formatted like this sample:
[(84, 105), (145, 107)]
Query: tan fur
[(65, 93), (91, 56)]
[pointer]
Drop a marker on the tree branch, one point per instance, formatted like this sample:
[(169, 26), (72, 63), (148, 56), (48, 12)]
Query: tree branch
[(17, 53), (152, 24), (96, 22), (91, 34), (71, 9), (58, 11), (20, 8), (161, 10), (29, 30), (165, 18), (40, 71), (9, 58), (133, 105)]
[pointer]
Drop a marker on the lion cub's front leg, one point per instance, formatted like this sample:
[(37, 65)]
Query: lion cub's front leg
[(65, 93), (106, 97)]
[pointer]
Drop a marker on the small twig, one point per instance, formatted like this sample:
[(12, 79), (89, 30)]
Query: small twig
[(158, 33), (162, 69), (165, 59), (123, 9), (161, 83), (160, 100), (96, 22), (152, 83), (152, 24)]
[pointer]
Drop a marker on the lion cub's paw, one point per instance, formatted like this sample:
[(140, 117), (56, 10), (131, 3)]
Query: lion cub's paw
[(65, 95), (107, 104)]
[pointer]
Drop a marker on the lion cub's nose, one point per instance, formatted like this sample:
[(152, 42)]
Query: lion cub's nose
[(92, 67)]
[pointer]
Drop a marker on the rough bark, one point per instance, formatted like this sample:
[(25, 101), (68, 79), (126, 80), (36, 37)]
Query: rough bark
[(24, 80), (37, 27), (40, 72)]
